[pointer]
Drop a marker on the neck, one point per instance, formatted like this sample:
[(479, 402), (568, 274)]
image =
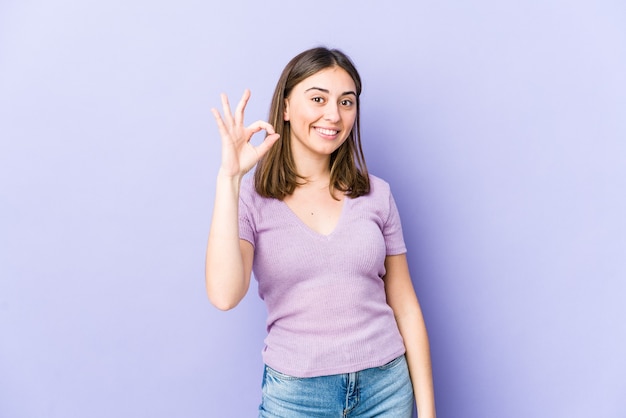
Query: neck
[(314, 170)]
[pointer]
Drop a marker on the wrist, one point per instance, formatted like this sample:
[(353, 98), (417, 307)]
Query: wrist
[(224, 175)]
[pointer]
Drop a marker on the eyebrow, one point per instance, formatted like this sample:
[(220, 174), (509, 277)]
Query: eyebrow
[(328, 91)]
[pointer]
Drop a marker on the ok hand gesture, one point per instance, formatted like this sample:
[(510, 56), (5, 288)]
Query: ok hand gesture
[(238, 154)]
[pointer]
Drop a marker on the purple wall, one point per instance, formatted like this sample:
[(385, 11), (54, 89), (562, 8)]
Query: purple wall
[(501, 127)]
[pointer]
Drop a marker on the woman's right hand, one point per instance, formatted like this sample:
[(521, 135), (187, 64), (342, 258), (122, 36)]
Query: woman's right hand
[(238, 154)]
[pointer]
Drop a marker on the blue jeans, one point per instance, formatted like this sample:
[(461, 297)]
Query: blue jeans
[(384, 391)]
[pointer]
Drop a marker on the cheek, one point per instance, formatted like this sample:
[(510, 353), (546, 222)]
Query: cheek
[(299, 114), (311, 114), (350, 119)]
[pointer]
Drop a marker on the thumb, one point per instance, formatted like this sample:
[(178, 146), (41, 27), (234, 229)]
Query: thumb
[(267, 143)]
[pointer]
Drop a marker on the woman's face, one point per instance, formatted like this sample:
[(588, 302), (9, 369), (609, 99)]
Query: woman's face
[(321, 111)]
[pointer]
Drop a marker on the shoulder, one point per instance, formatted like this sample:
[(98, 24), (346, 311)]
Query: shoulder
[(378, 186), (381, 196), (247, 192), (247, 185), (249, 196)]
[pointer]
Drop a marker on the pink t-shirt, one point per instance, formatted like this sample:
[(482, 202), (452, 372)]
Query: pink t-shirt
[(327, 310)]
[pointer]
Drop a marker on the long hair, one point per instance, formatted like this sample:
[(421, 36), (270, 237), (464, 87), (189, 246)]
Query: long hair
[(276, 174)]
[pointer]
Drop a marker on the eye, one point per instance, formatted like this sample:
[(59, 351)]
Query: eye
[(347, 102), (318, 99)]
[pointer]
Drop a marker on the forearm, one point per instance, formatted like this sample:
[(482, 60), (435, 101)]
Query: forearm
[(415, 337), (226, 281)]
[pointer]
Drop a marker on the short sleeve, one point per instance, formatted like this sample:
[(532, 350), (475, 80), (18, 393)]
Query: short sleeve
[(392, 230), (246, 221)]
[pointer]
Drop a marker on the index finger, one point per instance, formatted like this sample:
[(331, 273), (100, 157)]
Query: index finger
[(260, 125)]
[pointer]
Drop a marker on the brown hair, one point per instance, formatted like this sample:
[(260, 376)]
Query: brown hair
[(276, 175)]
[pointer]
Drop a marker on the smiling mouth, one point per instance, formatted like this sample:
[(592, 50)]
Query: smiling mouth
[(327, 132)]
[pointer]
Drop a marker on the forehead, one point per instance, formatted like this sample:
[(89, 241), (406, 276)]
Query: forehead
[(334, 79)]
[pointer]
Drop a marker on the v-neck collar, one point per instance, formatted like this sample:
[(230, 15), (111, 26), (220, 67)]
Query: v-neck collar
[(312, 231)]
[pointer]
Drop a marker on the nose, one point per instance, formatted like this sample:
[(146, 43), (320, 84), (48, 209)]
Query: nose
[(331, 113)]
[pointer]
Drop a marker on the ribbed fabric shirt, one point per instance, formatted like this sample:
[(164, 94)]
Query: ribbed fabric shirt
[(325, 297)]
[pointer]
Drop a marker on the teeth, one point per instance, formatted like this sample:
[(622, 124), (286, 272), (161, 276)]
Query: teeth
[(327, 131)]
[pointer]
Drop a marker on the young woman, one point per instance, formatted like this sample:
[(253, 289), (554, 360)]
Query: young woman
[(346, 336)]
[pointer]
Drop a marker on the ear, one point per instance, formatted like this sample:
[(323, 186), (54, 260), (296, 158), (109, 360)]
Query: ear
[(286, 111)]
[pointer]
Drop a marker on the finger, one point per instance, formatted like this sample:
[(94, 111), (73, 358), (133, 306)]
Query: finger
[(267, 143), (260, 125), (226, 109), (241, 107)]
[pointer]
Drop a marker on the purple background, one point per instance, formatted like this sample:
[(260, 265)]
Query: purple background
[(500, 125)]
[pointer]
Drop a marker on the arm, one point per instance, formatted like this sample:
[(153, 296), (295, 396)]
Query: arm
[(402, 299), (229, 259)]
